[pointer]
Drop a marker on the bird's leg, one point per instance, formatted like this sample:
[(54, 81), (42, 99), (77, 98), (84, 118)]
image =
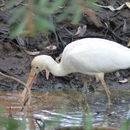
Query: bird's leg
[(107, 91), (101, 78), (85, 79)]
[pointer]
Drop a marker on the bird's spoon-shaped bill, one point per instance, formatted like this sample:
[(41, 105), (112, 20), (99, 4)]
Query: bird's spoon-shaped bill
[(26, 92), (31, 78)]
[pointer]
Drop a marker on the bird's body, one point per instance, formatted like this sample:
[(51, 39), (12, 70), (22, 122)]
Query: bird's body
[(91, 56), (88, 56), (94, 55)]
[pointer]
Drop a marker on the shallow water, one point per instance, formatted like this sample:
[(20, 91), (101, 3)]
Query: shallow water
[(66, 108)]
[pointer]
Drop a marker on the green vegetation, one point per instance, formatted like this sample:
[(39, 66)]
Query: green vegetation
[(10, 123), (32, 16), (125, 125)]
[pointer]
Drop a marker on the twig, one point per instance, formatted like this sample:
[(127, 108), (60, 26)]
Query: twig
[(13, 78), (27, 96), (4, 85)]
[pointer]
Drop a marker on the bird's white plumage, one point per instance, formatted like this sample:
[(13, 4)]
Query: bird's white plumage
[(95, 55), (88, 56)]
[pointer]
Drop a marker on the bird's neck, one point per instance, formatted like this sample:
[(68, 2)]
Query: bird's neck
[(57, 69)]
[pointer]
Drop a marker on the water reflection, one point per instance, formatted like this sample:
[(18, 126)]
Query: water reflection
[(64, 109)]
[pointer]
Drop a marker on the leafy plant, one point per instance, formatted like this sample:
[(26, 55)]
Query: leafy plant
[(10, 123), (32, 16), (126, 124), (88, 122)]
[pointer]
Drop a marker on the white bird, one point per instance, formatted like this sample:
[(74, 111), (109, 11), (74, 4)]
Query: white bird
[(89, 56)]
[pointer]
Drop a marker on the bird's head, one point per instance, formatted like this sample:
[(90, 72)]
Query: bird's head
[(39, 63)]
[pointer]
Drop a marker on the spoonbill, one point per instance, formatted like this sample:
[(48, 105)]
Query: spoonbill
[(89, 56)]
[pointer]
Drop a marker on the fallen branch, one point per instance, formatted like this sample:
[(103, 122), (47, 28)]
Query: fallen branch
[(25, 99), (13, 78)]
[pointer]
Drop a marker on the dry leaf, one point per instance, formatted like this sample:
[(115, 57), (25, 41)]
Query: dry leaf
[(128, 44), (91, 13), (51, 47), (81, 30), (114, 9), (107, 7), (111, 7), (32, 53), (128, 4), (124, 26), (123, 81), (92, 16), (58, 58), (120, 7)]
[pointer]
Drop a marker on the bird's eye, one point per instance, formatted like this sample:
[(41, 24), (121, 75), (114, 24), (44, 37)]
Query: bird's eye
[(37, 68)]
